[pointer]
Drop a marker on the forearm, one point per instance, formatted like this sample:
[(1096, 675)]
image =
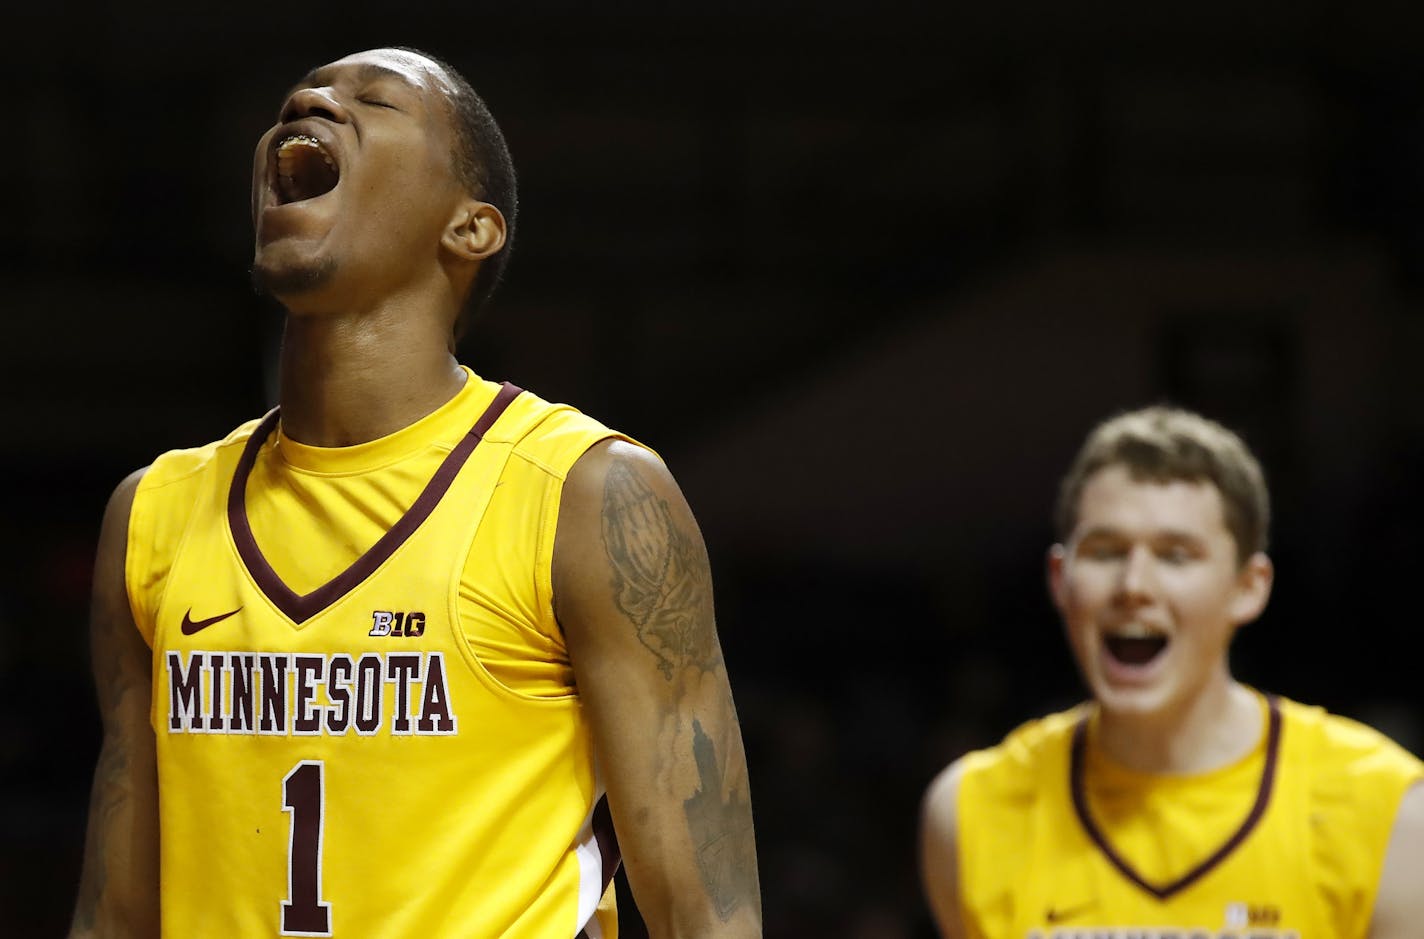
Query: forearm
[(118, 889), (691, 847)]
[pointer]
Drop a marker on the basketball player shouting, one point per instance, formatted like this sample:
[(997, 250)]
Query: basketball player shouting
[(368, 666), (1179, 802)]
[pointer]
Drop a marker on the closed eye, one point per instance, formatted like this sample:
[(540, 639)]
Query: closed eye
[(1101, 549), (1179, 548), (377, 102)]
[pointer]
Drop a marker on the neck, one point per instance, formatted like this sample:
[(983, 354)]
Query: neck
[(350, 379), (1215, 728)]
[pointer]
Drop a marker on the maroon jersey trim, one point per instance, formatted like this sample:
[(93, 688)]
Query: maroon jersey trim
[(1263, 799), (608, 851), (301, 607)]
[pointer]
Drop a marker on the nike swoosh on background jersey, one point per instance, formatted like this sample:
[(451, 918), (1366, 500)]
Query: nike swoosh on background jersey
[(1059, 914), (191, 625)]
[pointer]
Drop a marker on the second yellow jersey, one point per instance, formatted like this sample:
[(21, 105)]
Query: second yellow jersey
[(1055, 841), (365, 716)]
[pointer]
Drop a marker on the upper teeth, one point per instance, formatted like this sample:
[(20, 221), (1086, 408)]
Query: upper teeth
[(287, 152), (1134, 631)]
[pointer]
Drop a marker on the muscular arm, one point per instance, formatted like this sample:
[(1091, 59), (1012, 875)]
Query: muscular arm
[(633, 593), (939, 852), (118, 891), (1399, 905)]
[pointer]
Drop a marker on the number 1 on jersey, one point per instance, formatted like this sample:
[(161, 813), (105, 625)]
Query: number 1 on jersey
[(304, 796)]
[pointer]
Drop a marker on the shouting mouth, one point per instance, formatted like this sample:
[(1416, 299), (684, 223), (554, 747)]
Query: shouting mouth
[(1134, 649), (303, 169)]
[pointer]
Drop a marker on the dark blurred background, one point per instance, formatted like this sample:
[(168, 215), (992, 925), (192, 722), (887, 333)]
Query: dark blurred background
[(864, 278)]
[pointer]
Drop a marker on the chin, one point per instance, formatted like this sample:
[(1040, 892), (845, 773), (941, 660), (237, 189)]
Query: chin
[(1139, 701), (283, 281)]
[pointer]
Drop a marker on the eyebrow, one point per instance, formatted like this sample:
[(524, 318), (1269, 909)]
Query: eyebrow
[(367, 72), (1168, 534)]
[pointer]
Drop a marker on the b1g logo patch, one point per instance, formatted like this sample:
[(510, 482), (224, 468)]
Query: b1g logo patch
[(1252, 915), (394, 623)]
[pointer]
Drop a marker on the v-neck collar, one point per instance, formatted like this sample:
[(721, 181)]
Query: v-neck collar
[(301, 607), (1253, 818)]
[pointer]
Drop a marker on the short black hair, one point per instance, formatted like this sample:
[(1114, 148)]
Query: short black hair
[(484, 167)]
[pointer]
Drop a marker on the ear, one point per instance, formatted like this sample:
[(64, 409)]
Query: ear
[(1253, 588), (1057, 589), (476, 230)]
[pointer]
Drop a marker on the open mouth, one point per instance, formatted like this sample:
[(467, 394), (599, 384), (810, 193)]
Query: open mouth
[(1135, 650), (304, 170)]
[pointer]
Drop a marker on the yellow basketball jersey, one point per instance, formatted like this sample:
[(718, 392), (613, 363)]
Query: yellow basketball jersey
[(1290, 841), (336, 754)]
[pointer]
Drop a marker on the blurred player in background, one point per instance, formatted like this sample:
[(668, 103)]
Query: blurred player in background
[(368, 666), (1178, 801)]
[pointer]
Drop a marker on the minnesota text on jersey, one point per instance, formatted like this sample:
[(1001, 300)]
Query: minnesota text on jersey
[(294, 693)]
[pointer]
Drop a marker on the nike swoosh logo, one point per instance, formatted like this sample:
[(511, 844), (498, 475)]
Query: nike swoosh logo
[(191, 625), (1059, 915)]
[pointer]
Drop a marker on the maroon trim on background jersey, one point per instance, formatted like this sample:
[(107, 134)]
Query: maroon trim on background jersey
[(1263, 799), (298, 607), (608, 851)]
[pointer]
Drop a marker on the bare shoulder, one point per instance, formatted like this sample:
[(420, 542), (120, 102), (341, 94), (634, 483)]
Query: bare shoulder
[(617, 464), (109, 561), (1399, 905), (628, 551), (121, 500), (939, 807), (1410, 816), (1409, 823), (618, 490), (939, 849)]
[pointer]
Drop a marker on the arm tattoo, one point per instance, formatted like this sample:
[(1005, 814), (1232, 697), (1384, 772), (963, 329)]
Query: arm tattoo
[(661, 583), (660, 580), (721, 828)]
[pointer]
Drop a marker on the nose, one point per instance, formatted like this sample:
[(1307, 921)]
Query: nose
[(313, 102), (1135, 579)]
